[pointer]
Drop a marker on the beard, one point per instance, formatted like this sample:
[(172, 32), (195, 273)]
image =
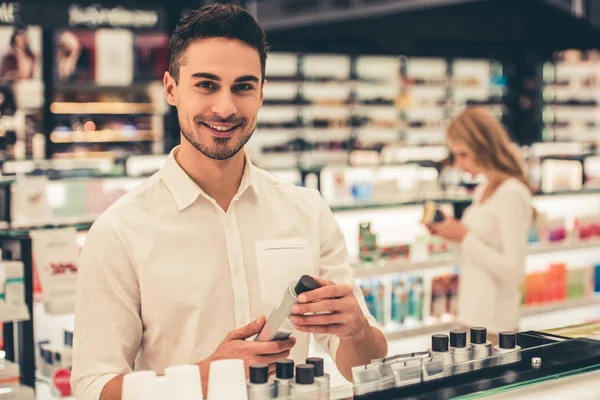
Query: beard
[(217, 148)]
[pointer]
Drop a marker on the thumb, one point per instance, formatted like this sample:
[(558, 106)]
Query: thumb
[(249, 330)]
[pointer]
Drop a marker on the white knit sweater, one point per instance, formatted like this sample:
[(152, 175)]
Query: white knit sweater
[(492, 257)]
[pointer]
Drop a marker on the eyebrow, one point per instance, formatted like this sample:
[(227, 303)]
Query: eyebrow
[(247, 78), (213, 77)]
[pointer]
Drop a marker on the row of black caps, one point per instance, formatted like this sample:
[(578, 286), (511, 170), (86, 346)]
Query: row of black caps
[(284, 369), (458, 339)]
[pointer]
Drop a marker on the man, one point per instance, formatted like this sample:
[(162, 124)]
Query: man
[(183, 269)]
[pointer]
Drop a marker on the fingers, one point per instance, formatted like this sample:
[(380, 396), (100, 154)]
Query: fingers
[(248, 330), (319, 320), (272, 369), (323, 282), (272, 358), (328, 329), (274, 347), (326, 292), (317, 307)]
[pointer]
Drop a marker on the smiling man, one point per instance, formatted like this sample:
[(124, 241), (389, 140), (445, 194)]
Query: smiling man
[(183, 269)]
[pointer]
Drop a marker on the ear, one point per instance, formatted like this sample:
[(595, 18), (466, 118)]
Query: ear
[(262, 92), (170, 87)]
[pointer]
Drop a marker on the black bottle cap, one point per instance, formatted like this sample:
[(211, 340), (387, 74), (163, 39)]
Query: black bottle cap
[(316, 362), (305, 284), (284, 369), (508, 340), (439, 343), (478, 335), (259, 373), (305, 374), (458, 338)]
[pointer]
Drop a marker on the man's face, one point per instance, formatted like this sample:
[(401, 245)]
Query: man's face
[(218, 95)]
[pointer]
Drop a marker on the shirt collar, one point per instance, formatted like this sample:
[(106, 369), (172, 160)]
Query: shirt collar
[(185, 191)]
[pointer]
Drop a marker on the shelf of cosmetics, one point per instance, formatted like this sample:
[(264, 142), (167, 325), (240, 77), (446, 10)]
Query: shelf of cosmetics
[(376, 72), (546, 235), (571, 96), (345, 186), (449, 355), (54, 363), (227, 380), (561, 284), (10, 386), (86, 130), (411, 300), (405, 301), (366, 102), (12, 291)]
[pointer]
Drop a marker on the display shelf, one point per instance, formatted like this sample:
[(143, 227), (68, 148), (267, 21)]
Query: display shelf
[(546, 248), (559, 306), (13, 313), (408, 201), (102, 108), (400, 266), (103, 136), (444, 327), (381, 268), (352, 205), (20, 232), (91, 87)]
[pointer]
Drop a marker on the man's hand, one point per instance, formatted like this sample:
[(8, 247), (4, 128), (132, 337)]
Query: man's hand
[(337, 310), (235, 346)]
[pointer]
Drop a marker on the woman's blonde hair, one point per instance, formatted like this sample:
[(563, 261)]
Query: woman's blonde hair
[(479, 130)]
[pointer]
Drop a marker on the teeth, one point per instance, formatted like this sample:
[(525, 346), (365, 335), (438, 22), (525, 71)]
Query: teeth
[(220, 128)]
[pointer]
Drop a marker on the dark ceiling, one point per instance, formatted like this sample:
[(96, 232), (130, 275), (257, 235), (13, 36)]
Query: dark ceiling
[(494, 28)]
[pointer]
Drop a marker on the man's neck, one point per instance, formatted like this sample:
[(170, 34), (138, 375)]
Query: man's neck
[(219, 179)]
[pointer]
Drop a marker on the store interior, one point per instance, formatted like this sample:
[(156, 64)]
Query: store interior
[(356, 105)]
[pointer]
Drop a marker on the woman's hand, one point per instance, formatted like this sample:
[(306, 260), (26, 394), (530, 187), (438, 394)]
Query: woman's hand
[(450, 229)]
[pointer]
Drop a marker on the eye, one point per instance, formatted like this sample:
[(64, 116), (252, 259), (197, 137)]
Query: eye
[(206, 85), (243, 87)]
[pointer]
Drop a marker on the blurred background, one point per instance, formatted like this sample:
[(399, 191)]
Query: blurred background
[(359, 95)]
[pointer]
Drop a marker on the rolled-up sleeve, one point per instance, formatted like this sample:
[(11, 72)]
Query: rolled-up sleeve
[(335, 266), (108, 327)]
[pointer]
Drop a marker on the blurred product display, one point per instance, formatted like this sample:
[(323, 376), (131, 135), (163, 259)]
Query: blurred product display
[(520, 360)]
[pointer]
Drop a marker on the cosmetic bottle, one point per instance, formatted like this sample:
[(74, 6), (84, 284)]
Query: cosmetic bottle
[(482, 348), (14, 288), (507, 351), (278, 325), (462, 353), (259, 385), (440, 347), (431, 214), (284, 376), (305, 387), (320, 376)]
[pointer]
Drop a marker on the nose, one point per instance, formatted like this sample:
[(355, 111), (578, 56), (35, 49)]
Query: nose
[(224, 105)]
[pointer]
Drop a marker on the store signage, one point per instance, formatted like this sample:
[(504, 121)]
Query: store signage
[(117, 17), (56, 258), (9, 12), (29, 202)]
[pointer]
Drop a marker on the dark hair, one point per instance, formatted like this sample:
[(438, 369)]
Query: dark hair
[(216, 20)]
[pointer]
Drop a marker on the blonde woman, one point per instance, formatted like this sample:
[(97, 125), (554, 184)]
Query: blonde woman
[(492, 234)]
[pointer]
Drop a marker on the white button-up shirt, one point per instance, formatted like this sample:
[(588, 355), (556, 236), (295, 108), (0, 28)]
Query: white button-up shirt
[(165, 273)]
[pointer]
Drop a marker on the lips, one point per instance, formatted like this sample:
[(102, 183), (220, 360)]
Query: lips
[(220, 130)]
